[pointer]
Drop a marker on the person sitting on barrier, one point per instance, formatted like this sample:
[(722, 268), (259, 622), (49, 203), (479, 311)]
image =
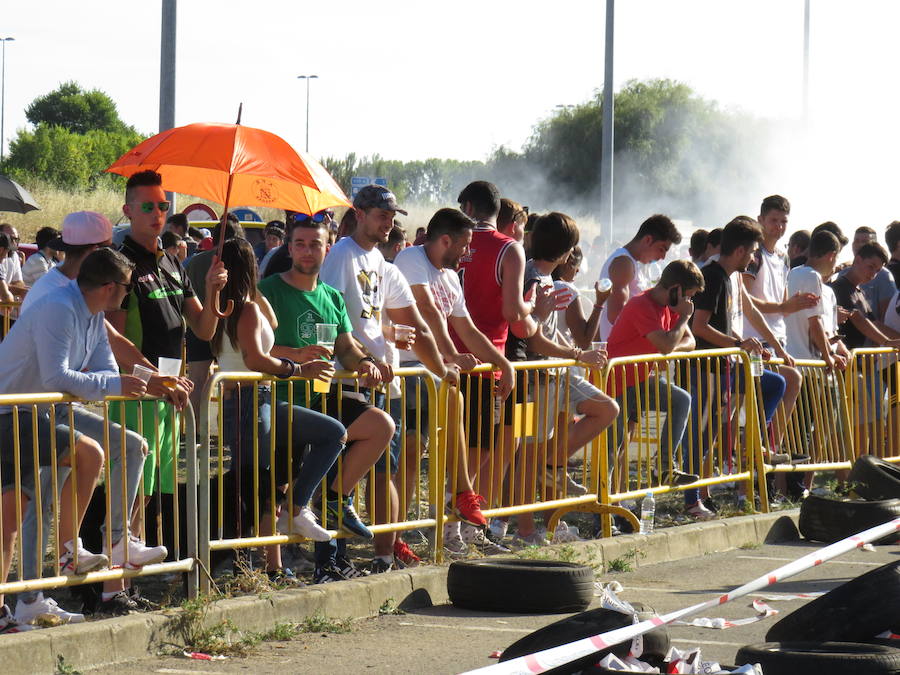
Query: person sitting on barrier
[(300, 300), (430, 270), (378, 296), (718, 323), (564, 395), (865, 328), (491, 275), (765, 281), (71, 355), (624, 267), (656, 321), (244, 341)]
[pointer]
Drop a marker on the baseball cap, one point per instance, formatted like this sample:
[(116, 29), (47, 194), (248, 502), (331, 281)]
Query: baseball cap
[(81, 228), (377, 197)]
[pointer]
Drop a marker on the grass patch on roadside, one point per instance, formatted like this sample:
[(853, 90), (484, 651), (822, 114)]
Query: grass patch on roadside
[(625, 562)]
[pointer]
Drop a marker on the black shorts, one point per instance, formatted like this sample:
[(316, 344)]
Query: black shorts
[(26, 447), (195, 348)]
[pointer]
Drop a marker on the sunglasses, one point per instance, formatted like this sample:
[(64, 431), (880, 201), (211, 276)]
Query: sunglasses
[(147, 207), (128, 286), (316, 217)]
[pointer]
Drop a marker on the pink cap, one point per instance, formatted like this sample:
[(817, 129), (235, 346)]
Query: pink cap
[(85, 227)]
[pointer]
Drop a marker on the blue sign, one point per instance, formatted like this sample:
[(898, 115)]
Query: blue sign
[(247, 215), (357, 183)]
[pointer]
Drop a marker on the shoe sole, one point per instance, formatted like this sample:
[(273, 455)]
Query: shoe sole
[(101, 564), (135, 566), (463, 519)]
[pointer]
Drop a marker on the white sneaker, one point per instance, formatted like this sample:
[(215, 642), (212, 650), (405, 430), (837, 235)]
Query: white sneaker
[(536, 538), (29, 612), (474, 536), (498, 528), (139, 554), (76, 559), (565, 485), (565, 533), (304, 524), (700, 512), (8, 623)]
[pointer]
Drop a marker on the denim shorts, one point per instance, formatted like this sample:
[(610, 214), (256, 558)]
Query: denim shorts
[(45, 430)]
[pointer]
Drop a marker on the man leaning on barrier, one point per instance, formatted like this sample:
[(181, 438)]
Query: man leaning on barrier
[(71, 355), (656, 321)]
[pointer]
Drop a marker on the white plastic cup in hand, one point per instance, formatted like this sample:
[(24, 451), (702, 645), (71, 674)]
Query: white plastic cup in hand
[(169, 369), (604, 285), (326, 334), (599, 346), (143, 373), (404, 335)]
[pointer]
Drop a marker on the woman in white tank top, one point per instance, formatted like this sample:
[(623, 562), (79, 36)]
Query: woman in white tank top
[(243, 342)]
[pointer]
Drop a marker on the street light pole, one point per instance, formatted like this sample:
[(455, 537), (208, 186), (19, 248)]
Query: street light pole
[(307, 78), (3, 95)]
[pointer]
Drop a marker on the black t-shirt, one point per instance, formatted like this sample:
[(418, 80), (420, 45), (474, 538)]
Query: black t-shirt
[(516, 347), (894, 267), (279, 262), (799, 261), (716, 299), (155, 306), (851, 298)]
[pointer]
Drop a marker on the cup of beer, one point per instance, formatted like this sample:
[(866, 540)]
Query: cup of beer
[(404, 336)]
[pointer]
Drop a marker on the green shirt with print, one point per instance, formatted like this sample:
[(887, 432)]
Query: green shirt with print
[(298, 312)]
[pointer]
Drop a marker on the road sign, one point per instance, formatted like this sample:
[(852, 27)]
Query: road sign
[(357, 183)]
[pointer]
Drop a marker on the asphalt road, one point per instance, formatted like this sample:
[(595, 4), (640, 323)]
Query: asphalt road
[(448, 640)]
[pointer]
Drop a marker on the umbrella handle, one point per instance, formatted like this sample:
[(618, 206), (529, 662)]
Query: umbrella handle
[(229, 307)]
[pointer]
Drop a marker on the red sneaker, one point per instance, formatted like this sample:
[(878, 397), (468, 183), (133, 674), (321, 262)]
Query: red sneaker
[(405, 554), (468, 508)]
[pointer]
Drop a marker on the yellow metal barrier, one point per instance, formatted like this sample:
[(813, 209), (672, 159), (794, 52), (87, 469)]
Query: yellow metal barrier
[(873, 391), (9, 312), (655, 393), (43, 489)]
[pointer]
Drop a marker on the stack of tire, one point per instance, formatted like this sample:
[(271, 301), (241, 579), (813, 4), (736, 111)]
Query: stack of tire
[(835, 634), (877, 483)]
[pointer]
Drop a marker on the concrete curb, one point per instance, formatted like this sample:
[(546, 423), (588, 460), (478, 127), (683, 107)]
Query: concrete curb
[(99, 643)]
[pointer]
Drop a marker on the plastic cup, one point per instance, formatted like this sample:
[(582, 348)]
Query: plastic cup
[(605, 285), (169, 366), (599, 346), (142, 372), (402, 335), (326, 334)]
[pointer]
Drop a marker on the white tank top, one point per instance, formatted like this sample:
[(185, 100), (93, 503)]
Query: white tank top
[(638, 283), (230, 359)]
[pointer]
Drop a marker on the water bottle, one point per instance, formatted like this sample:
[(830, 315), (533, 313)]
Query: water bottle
[(648, 511)]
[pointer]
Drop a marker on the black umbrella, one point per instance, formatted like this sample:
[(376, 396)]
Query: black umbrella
[(14, 198)]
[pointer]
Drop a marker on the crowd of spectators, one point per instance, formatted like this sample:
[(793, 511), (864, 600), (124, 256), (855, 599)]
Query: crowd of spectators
[(488, 282)]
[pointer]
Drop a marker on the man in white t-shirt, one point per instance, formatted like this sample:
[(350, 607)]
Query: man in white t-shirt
[(430, 270), (811, 332), (651, 243), (371, 287)]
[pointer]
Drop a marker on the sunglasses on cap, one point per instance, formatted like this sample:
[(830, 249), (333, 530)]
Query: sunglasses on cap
[(147, 207), (316, 217)]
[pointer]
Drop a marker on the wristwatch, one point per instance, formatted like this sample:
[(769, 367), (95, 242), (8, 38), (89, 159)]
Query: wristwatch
[(366, 358), (737, 342)]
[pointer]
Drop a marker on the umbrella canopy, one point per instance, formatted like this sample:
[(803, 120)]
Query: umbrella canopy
[(14, 198), (199, 159)]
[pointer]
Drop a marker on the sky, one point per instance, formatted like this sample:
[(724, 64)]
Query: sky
[(412, 80)]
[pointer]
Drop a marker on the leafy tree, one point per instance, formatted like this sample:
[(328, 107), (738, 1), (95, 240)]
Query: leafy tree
[(77, 110)]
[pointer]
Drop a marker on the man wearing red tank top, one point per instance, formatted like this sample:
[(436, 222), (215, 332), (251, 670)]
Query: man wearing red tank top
[(492, 276)]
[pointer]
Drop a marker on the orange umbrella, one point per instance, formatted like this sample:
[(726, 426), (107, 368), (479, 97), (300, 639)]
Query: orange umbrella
[(231, 163)]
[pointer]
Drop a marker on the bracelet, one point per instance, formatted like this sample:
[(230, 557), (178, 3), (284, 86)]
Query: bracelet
[(598, 306), (287, 362), (737, 342), (366, 358)]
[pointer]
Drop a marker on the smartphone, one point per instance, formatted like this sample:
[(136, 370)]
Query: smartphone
[(673, 296)]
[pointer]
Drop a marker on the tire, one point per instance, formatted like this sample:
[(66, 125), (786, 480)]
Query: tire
[(831, 520), (520, 586), (875, 479), (586, 624), (821, 658), (856, 611)]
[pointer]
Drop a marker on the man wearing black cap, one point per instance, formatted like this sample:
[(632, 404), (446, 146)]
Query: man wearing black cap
[(369, 284)]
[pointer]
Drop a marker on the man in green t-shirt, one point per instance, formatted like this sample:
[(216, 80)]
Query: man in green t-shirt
[(300, 301)]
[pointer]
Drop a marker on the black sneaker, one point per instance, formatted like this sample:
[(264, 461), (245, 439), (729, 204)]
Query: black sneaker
[(118, 605), (342, 511), (710, 504), (348, 569), (327, 575), (142, 603), (379, 566), (675, 478)]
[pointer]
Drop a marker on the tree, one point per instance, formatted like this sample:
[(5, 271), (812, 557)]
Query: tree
[(77, 110)]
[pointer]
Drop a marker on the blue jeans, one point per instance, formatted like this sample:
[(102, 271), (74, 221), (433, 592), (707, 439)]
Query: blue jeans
[(772, 386), (677, 412), (323, 434)]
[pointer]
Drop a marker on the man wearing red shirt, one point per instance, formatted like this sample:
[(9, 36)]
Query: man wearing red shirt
[(656, 322)]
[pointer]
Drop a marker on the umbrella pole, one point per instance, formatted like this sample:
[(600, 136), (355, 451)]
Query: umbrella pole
[(229, 306)]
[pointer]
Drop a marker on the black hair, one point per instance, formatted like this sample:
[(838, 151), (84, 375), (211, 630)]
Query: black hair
[(659, 228), (698, 242), (103, 266), (774, 203), (822, 243), (148, 178), (554, 234), (892, 235), (452, 222), (484, 198), (683, 273), (714, 238), (873, 250), (239, 260), (832, 227), (800, 239), (169, 239), (178, 220), (741, 231), (44, 236)]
